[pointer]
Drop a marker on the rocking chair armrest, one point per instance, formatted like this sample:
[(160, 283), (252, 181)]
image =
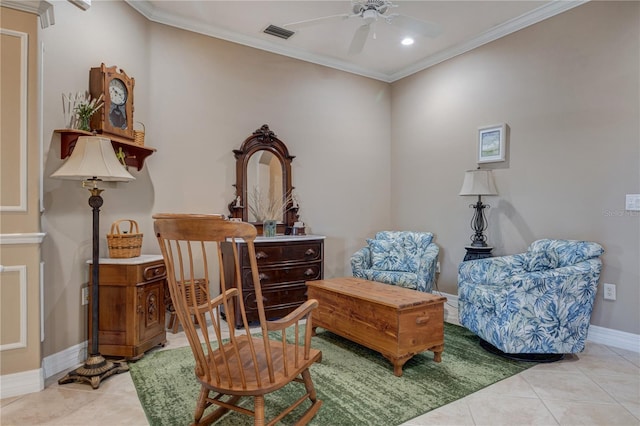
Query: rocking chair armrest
[(215, 302), (295, 316)]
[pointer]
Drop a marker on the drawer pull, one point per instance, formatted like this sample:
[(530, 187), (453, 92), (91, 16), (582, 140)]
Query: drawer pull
[(263, 276), (154, 272), (422, 320), (309, 272), (310, 252), (261, 255)]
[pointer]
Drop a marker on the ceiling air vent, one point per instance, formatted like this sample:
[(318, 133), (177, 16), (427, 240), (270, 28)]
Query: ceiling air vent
[(278, 32)]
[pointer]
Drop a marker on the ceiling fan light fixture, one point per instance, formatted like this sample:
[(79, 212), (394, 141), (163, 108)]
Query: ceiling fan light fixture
[(370, 15), (407, 41)]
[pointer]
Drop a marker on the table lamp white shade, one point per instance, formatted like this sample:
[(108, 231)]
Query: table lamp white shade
[(93, 158), (478, 182)]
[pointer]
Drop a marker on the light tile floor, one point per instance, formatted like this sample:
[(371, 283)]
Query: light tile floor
[(600, 386)]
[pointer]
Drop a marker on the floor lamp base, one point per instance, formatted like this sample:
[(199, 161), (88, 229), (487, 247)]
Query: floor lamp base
[(95, 369)]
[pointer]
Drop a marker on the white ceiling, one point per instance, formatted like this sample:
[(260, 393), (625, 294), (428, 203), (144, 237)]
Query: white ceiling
[(465, 26)]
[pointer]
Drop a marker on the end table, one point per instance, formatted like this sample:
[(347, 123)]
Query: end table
[(132, 305), (474, 253)]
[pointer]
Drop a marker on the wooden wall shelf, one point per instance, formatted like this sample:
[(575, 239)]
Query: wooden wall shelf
[(134, 154)]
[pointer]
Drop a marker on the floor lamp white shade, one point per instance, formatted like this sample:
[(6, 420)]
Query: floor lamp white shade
[(93, 158)]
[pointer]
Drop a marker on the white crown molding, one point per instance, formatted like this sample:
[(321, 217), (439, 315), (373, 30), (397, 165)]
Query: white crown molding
[(82, 4), (44, 9), (548, 10), (533, 17), (149, 12), (26, 238)]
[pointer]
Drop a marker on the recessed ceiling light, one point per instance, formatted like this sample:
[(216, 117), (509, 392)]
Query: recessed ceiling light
[(407, 41)]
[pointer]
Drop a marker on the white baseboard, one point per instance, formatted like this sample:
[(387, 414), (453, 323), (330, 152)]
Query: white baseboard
[(21, 383), (450, 307), (601, 335), (615, 338), (33, 381), (66, 359)]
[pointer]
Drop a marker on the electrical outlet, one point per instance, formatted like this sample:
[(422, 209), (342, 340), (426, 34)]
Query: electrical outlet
[(438, 267), (609, 291), (85, 295)]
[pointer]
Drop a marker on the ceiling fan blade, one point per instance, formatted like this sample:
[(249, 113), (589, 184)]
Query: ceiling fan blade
[(316, 21), (359, 39), (416, 26)]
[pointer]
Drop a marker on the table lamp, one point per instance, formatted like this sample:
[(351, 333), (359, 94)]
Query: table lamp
[(478, 182)]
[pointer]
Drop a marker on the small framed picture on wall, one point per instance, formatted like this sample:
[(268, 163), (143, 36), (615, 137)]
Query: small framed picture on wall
[(492, 143)]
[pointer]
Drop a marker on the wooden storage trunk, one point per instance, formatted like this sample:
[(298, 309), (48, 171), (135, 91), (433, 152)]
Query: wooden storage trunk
[(395, 321)]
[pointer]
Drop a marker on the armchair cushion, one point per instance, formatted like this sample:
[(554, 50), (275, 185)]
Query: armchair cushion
[(390, 255), (566, 252), (541, 260)]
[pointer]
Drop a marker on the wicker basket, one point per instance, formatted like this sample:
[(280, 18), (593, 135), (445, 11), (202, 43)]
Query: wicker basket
[(202, 295), (138, 135), (123, 245)]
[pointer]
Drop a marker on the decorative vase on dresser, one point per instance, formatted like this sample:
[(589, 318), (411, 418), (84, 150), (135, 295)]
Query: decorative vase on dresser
[(285, 262), (132, 305)]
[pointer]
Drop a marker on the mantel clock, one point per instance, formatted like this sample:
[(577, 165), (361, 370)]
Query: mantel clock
[(116, 87)]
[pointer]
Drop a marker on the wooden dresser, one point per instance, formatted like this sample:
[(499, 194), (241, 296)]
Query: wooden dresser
[(132, 305), (284, 264)]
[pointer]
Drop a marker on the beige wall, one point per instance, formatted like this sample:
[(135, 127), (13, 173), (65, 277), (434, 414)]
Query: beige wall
[(568, 88), (78, 41), (20, 175), (199, 98), (562, 92)]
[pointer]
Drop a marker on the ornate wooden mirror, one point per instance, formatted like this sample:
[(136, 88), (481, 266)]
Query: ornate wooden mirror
[(263, 181)]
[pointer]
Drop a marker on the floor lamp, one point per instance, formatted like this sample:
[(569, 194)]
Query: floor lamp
[(93, 161), (478, 182)]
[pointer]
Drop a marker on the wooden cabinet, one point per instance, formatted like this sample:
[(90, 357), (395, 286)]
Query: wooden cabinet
[(284, 264), (132, 305)]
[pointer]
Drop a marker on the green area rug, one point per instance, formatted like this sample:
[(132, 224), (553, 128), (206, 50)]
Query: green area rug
[(356, 385)]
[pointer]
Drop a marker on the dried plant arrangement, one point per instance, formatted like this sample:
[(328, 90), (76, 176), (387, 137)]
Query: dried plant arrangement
[(78, 109), (263, 207)]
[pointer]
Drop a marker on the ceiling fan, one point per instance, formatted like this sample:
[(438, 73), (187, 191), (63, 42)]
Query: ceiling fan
[(370, 11)]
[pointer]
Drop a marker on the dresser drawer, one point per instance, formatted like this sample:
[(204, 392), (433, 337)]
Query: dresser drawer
[(284, 298), (270, 253), (284, 265), (277, 275), (125, 274), (153, 272)]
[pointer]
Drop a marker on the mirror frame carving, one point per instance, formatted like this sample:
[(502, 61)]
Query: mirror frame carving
[(262, 139)]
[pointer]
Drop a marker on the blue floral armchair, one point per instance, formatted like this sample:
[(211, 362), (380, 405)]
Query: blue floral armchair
[(538, 302), (402, 258)]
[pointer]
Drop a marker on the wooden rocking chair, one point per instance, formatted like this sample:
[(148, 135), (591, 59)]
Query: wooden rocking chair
[(242, 365)]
